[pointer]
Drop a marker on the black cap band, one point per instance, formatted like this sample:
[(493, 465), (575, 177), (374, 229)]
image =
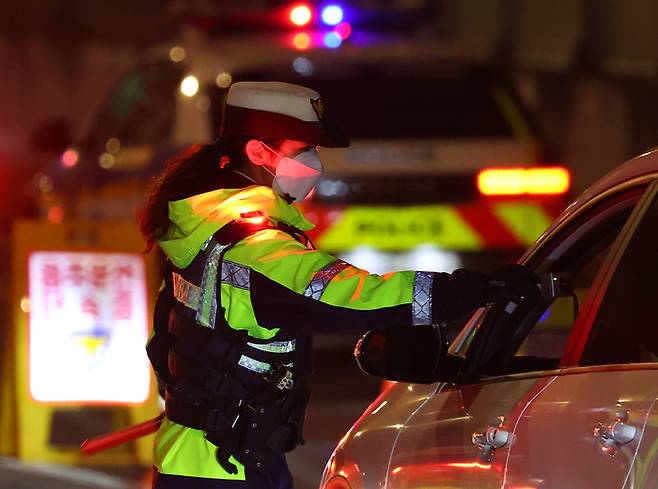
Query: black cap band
[(270, 125)]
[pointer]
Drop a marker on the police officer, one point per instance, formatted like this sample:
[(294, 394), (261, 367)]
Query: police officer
[(244, 290)]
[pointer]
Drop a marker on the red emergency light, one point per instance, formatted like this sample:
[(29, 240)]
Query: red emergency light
[(300, 15), (554, 180)]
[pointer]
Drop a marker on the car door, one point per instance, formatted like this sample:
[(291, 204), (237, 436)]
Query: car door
[(585, 428), (436, 450), (465, 434)]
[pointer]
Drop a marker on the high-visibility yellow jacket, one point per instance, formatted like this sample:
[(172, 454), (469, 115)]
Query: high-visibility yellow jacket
[(281, 284)]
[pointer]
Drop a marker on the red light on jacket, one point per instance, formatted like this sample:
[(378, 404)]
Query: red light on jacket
[(300, 15), (553, 180), (253, 217), (255, 220)]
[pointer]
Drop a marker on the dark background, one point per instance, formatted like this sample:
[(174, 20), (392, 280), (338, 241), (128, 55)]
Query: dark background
[(587, 68)]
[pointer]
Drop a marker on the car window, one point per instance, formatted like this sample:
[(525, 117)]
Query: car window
[(548, 336), (534, 337), (540, 340), (625, 329)]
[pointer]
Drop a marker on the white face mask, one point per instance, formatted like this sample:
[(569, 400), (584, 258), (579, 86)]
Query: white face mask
[(296, 176)]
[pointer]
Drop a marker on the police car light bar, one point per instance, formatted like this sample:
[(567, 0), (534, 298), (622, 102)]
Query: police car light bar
[(332, 14), (553, 180), (300, 15)]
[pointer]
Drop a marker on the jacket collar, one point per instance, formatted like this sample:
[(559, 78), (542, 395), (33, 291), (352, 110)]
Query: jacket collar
[(195, 219)]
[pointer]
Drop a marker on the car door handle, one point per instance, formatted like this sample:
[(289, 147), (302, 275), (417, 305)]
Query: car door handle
[(490, 440), (613, 435)]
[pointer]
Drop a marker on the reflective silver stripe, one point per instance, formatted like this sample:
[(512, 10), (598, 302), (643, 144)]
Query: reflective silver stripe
[(422, 300), (232, 273), (206, 243), (321, 279), (207, 310), (186, 292), (254, 365), (235, 274), (275, 346)]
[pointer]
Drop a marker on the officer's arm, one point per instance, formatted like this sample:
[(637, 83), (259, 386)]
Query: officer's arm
[(315, 291)]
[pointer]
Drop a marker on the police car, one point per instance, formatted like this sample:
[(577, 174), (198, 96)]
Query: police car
[(556, 393)]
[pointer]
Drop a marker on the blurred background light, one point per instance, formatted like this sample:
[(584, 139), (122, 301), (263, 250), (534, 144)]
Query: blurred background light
[(106, 160), (332, 15), (43, 182), (332, 188), (431, 257), (113, 145), (424, 257), (300, 15), (301, 41), (189, 86), (70, 158), (177, 54), (55, 214), (25, 304), (224, 80), (303, 66), (332, 40), (367, 258), (344, 30), (202, 103)]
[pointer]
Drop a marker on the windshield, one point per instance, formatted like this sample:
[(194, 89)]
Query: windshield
[(398, 102)]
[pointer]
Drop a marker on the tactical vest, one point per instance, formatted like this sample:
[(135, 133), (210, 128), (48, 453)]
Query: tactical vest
[(248, 395)]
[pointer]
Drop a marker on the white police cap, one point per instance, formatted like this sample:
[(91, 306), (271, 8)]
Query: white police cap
[(276, 110)]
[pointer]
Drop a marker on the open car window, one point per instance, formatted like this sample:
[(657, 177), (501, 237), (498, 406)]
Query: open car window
[(624, 330), (540, 339), (533, 338)]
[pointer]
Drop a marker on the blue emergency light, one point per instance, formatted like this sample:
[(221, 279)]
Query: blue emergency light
[(332, 14), (332, 40)]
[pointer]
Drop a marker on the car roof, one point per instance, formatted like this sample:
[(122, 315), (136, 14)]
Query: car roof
[(205, 59), (641, 166)]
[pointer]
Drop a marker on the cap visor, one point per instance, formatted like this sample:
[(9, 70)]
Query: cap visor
[(262, 124), (330, 136)]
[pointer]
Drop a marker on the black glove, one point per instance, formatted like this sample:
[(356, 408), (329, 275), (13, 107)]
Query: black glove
[(457, 294), (511, 284)]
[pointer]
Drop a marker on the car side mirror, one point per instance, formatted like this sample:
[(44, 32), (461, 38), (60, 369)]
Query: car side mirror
[(409, 354)]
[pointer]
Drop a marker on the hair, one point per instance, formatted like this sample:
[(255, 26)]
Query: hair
[(197, 169)]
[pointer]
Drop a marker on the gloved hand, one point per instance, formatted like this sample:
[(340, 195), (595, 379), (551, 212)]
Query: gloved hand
[(458, 293), (511, 284)]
